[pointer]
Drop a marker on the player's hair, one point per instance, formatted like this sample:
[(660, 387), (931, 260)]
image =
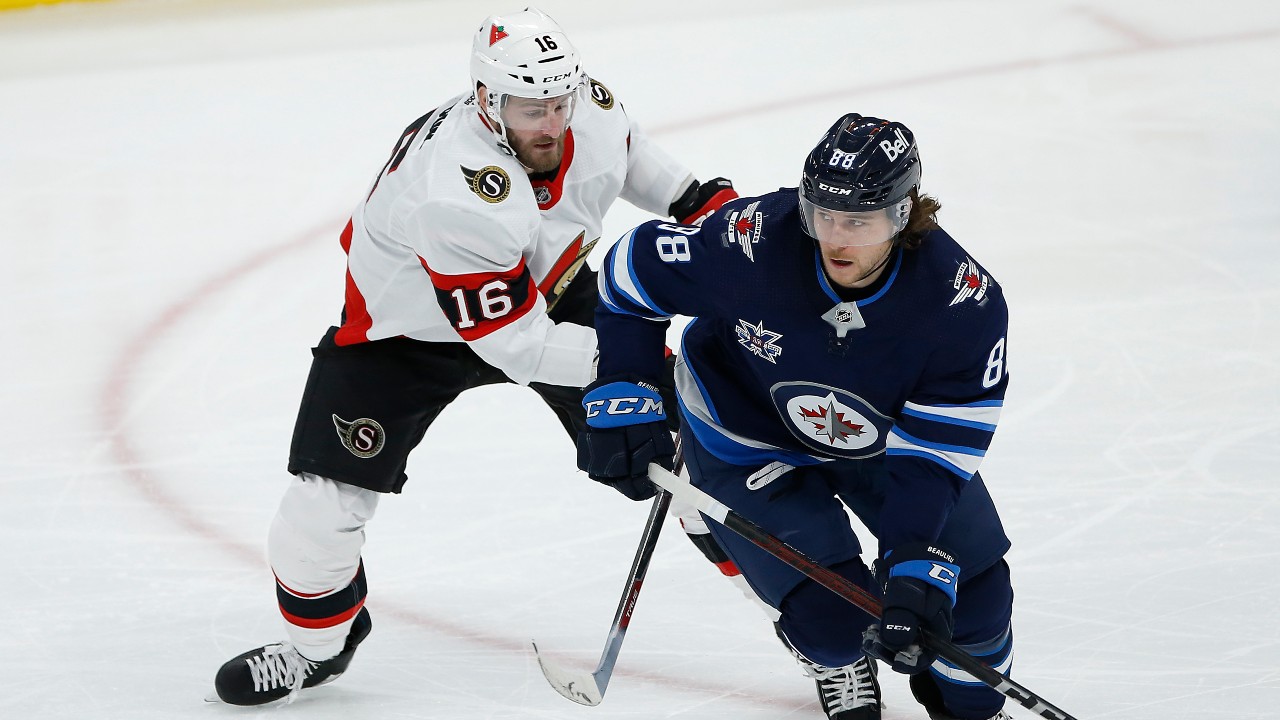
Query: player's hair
[(922, 220)]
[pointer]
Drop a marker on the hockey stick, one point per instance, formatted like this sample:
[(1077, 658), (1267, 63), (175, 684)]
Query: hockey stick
[(588, 688), (845, 588)]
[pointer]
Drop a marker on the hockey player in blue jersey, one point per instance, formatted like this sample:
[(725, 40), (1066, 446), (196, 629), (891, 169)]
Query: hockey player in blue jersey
[(843, 350)]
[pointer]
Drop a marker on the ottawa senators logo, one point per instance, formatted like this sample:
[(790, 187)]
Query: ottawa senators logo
[(553, 287), (363, 437), (601, 96), (490, 182)]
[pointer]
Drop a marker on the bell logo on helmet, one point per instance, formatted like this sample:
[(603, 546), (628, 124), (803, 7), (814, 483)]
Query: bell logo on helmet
[(893, 148)]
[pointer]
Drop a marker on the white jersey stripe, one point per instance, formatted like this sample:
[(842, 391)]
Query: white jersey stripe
[(983, 417), (960, 677), (963, 461)]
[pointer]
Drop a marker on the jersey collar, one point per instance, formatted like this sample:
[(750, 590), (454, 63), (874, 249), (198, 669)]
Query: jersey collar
[(884, 281)]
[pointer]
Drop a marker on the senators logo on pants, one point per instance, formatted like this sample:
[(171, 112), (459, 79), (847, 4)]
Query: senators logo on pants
[(363, 437)]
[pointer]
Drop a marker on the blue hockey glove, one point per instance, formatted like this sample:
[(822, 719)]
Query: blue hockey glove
[(700, 200), (626, 430), (919, 592)]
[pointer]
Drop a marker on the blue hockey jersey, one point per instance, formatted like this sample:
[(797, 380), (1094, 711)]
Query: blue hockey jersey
[(777, 367)]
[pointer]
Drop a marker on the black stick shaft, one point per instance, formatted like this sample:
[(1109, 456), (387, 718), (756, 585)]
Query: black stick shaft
[(635, 580)]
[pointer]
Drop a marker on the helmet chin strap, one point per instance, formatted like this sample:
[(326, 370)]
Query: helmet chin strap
[(495, 127), (487, 110)]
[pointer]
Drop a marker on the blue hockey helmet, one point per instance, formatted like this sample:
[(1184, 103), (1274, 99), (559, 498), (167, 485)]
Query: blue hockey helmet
[(861, 164)]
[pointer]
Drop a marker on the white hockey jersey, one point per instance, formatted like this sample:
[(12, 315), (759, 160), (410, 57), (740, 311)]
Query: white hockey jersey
[(455, 243)]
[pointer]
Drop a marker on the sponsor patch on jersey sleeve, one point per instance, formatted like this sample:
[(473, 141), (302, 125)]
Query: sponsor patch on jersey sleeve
[(743, 228), (971, 281)]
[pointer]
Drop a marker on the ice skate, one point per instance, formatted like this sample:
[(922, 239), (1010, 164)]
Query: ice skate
[(851, 692), (847, 693), (277, 671)]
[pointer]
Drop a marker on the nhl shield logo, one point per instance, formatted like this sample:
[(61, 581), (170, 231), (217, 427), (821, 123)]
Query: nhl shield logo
[(844, 317), (363, 437), (831, 420)]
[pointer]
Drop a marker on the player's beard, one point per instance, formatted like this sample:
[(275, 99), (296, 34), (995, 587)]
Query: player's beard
[(857, 268), (541, 154)]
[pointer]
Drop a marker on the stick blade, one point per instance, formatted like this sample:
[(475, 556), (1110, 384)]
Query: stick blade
[(580, 687)]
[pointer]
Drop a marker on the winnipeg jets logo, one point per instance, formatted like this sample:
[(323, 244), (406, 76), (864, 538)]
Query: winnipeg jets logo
[(744, 229), (970, 282), (762, 343), (829, 423), (832, 421), (363, 437)]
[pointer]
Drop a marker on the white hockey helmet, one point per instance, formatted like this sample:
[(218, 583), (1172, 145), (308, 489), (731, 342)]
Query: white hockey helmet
[(525, 54)]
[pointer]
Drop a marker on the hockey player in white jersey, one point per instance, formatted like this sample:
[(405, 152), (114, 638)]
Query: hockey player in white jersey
[(466, 267)]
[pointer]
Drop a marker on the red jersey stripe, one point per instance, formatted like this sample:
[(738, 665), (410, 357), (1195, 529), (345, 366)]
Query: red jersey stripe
[(478, 304), (356, 319)]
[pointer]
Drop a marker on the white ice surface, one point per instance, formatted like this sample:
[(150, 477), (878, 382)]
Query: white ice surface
[(173, 177)]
